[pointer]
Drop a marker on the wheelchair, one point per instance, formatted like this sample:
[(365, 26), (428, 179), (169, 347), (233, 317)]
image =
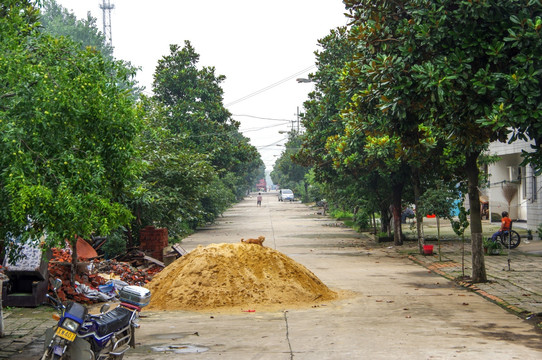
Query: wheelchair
[(509, 239)]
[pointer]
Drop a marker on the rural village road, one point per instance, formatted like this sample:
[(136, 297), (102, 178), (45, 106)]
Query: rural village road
[(397, 310)]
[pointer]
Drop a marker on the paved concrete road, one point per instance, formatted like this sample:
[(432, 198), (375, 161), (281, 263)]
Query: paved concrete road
[(398, 309)]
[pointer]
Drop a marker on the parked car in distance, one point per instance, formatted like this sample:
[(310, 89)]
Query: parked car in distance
[(286, 194)]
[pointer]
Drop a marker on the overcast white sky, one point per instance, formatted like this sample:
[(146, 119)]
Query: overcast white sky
[(254, 43)]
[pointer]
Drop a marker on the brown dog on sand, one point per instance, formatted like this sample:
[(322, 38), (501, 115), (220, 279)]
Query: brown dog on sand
[(258, 241)]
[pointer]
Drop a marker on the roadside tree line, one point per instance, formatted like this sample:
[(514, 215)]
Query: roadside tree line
[(409, 95), (84, 152)]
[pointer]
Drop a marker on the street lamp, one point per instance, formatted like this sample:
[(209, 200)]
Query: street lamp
[(303, 80)]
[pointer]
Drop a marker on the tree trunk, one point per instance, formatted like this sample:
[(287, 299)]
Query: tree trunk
[(1, 313), (478, 264), (438, 238), (397, 192), (384, 219), (419, 217), (129, 237)]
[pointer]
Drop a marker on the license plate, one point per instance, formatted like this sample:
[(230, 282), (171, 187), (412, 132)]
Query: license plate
[(66, 334)]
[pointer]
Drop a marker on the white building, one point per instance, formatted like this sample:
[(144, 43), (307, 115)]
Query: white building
[(512, 187)]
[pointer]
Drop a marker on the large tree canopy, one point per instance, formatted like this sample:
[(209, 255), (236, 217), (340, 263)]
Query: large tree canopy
[(415, 91), (468, 69), (67, 151), (194, 99)]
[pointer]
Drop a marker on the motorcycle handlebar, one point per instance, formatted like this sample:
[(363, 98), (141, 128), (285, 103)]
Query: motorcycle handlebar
[(57, 303)]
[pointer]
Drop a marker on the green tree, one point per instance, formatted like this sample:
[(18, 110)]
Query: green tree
[(195, 101), (58, 21), (439, 201), (460, 66), (68, 132), (348, 182), (207, 164), (286, 173), (174, 179)]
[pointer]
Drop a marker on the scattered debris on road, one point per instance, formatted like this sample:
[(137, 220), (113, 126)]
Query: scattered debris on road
[(133, 268)]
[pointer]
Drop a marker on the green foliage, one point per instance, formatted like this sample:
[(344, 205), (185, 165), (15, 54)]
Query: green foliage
[(492, 245), (196, 161), (340, 214), (315, 190), (462, 223), (194, 98), (58, 21), (439, 201), (79, 156), (323, 123), (362, 219), (68, 131), (286, 173), (174, 179), (115, 244)]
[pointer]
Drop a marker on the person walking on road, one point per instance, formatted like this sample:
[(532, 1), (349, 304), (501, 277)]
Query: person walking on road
[(259, 200)]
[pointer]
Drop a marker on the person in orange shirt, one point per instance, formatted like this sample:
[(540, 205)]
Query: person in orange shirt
[(505, 226)]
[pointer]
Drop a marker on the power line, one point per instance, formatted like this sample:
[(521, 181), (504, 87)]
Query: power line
[(266, 146), (261, 118), (270, 86), (261, 128)]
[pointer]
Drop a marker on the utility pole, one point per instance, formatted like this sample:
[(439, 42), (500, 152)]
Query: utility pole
[(297, 116), (106, 6)]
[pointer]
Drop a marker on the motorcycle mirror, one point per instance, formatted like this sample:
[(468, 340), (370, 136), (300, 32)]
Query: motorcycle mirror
[(104, 308), (56, 284)]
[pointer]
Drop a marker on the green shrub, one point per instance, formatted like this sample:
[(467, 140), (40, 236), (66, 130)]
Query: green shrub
[(495, 217), (362, 219), (115, 244), (341, 214), (492, 245)]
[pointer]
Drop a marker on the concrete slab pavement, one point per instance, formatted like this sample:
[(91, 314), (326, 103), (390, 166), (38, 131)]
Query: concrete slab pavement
[(392, 307), (514, 285), (395, 308)]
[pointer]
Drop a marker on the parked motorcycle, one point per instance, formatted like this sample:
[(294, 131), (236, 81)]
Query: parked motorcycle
[(108, 335)]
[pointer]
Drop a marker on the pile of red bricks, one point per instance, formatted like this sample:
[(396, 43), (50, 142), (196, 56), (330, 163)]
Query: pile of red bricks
[(60, 267), (153, 241)]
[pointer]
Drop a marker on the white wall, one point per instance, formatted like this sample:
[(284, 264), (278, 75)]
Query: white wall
[(524, 206)]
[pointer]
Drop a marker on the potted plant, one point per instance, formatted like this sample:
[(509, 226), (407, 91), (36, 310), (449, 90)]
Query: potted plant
[(492, 247)]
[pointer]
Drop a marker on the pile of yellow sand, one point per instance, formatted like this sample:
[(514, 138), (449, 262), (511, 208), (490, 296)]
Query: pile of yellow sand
[(235, 275)]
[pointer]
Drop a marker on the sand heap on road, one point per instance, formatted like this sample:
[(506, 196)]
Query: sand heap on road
[(222, 276)]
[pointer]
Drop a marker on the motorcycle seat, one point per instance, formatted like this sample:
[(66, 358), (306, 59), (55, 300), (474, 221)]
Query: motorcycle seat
[(113, 320)]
